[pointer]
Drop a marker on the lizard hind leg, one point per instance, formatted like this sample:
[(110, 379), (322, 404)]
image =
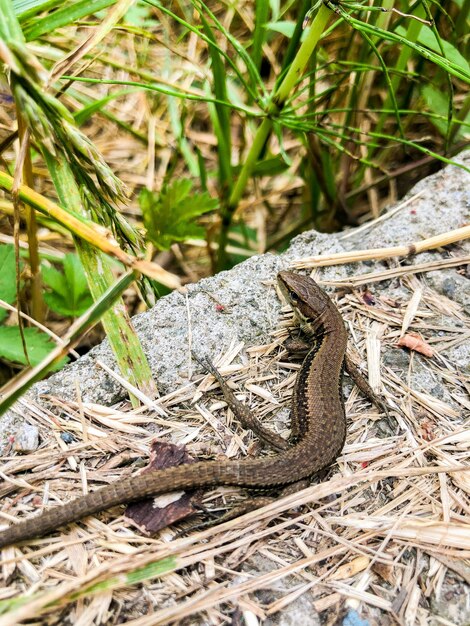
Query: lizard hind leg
[(214, 519), (250, 504), (357, 376), (241, 411)]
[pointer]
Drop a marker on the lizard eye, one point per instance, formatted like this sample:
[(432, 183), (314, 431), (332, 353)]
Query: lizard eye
[(293, 297)]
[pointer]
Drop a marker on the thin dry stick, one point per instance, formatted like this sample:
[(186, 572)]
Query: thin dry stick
[(381, 218), (394, 272), (452, 236)]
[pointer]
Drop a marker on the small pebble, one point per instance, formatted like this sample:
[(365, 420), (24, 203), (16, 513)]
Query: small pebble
[(66, 437), (26, 439)]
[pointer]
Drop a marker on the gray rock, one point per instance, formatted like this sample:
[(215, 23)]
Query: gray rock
[(301, 611), (452, 285)]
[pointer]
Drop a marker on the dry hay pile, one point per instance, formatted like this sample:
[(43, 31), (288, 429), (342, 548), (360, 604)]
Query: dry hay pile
[(383, 532)]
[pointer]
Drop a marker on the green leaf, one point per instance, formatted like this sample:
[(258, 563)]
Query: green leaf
[(242, 237), (54, 279), (427, 38), (437, 103), (7, 276), (171, 215), (271, 166), (69, 293), (7, 273), (139, 15), (284, 27), (38, 345), (29, 8)]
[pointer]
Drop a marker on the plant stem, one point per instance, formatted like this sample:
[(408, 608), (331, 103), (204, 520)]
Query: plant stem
[(117, 325), (37, 300), (301, 59), (276, 103)]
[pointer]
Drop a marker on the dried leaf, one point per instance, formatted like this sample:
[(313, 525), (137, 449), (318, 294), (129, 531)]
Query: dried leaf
[(153, 514), (413, 341), (347, 570)]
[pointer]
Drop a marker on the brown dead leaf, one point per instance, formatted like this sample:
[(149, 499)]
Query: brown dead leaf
[(413, 341), (385, 572), (153, 514), (350, 569)]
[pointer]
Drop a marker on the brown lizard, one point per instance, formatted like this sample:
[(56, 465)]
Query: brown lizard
[(318, 426)]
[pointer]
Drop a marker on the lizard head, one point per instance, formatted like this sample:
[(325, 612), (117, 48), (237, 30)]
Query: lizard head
[(307, 299)]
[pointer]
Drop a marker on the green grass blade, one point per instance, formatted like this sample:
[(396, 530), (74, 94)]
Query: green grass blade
[(222, 125), (15, 390), (64, 16), (259, 33)]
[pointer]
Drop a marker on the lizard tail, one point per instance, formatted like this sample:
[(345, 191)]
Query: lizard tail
[(123, 491)]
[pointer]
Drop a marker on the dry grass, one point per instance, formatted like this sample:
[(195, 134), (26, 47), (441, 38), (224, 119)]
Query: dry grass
[(386, 529)]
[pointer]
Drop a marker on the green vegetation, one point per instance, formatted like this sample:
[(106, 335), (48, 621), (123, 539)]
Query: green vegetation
[(38, 343), (170, 215), (69, 294)]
